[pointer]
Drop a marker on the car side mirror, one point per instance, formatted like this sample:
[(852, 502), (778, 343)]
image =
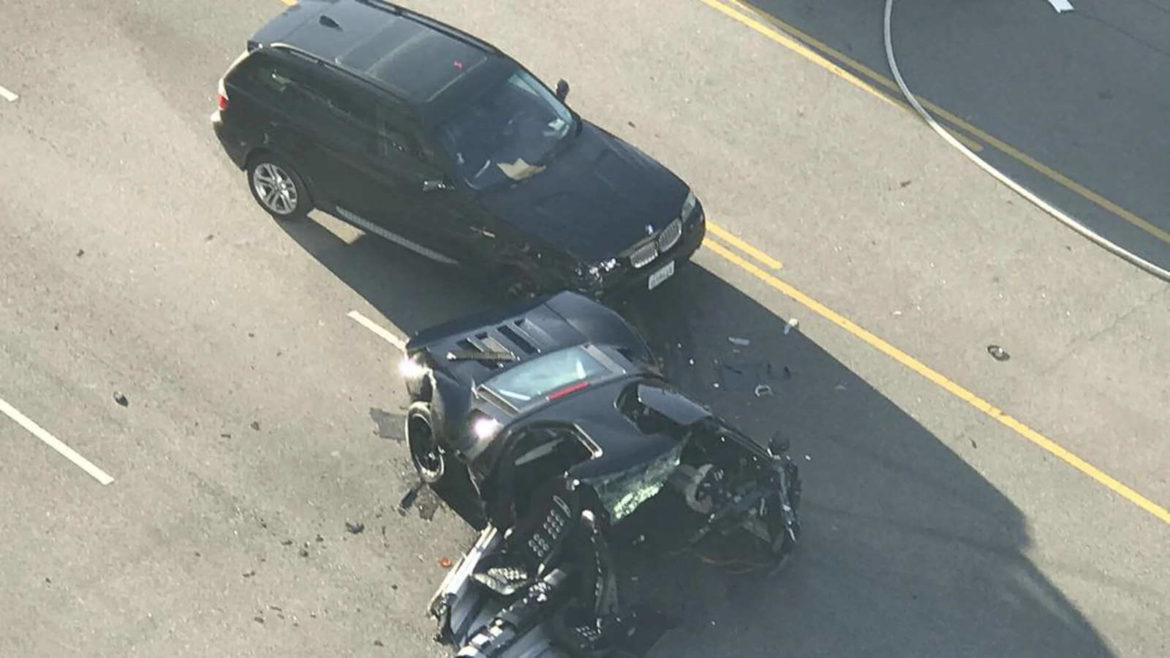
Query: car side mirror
[(562, 90), (432, 185)]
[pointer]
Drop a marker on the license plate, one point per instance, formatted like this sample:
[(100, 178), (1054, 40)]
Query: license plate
[(661, 275)]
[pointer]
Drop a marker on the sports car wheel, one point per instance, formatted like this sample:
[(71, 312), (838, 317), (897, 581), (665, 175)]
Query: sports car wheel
[(425, 451)]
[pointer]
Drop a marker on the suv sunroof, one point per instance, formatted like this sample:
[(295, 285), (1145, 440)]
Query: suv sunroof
[(414, 60)]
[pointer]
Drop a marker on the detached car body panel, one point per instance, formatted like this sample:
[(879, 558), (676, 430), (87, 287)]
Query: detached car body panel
[(553, 422), (431, 138)]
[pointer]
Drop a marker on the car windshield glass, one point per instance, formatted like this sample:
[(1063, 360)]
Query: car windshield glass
[(528, 383), (624, 491), (507, 134)]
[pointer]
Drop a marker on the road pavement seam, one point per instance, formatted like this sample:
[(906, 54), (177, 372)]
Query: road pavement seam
[(805, 45)]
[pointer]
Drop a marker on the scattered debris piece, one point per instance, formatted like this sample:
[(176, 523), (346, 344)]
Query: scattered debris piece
[(121, 399), (998, 353), (973, 444), (807, 458), (839, 387), (80, 253), (408, 500), (716, 384), (256, 425), (209, 238), (631, 124), (905, 183), (786, 373), (319, 539), (49, 581), (276, 608), (250, 574), (691, 361), (378, 643), (225, 435), (258, 619), (304, 552), (897, 314), (286, 542), (742, 342), (355, 528), (251, 334), (445, 562), (390, 426), (763, 390)]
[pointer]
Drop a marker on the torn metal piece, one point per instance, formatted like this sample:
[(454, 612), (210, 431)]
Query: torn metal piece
[(742, 342)]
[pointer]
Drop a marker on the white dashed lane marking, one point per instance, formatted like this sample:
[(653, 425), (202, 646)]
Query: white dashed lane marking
[(55, 443), (8, 95), (379, 330)]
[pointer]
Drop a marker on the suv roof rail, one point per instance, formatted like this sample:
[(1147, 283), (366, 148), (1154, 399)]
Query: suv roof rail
[(437, 25)]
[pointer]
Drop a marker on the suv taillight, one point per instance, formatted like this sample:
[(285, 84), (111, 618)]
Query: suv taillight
[(223, 99)]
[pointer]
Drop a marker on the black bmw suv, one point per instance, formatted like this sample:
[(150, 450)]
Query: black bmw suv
[(433, 139)]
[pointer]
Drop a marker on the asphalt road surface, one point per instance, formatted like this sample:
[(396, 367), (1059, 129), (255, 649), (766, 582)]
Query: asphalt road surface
[(1076, 101), (260, 419)]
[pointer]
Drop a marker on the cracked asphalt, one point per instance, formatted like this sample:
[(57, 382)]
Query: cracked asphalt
[(259, 419)]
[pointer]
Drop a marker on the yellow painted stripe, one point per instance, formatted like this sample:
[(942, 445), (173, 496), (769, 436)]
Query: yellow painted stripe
[(736, 241), (744, 14), (935, 377)]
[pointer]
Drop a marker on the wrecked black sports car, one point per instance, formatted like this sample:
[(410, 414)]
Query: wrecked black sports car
[(552, 424)]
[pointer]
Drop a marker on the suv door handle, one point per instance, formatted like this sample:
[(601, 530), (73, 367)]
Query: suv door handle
[(482, 231)]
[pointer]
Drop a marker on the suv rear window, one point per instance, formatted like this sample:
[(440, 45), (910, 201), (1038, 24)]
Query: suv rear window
[(298, 88)]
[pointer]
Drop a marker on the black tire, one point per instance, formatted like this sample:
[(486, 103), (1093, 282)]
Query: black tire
[(277, 187), (426, 454)]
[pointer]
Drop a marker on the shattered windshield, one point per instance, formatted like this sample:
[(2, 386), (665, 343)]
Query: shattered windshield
[(624, 491), (507, 133)]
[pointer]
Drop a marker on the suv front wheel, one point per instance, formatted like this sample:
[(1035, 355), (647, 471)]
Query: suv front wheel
[(277, 187)]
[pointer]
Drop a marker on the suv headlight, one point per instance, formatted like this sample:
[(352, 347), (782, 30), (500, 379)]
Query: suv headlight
[(688, 206)]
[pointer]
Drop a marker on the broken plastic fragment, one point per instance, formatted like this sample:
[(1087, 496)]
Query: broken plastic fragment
[(790, 325), (742, 342), (445, 562), (763, 390), (998, 353)]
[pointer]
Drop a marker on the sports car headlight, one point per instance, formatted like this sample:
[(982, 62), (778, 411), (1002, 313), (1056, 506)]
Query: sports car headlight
[(688, 206), (411, 369)]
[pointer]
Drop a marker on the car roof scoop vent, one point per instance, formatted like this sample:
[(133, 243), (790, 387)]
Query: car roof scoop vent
[(329, 22)]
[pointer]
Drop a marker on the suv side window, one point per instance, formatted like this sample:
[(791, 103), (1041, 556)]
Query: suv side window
[(401, 143), (310, 91)]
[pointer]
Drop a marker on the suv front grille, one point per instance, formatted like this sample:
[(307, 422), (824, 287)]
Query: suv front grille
[(643, 255), (669, 236)]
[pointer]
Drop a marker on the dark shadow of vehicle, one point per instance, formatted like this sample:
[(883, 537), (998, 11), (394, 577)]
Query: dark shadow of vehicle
[(906, 551)]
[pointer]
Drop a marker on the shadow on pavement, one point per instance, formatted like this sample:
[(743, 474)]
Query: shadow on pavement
[(906, 551)]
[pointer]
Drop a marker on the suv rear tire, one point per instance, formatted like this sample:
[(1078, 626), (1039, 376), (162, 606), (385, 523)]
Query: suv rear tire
[(277, 187)]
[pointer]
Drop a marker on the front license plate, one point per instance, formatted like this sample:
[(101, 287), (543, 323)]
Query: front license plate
[(661, 275)]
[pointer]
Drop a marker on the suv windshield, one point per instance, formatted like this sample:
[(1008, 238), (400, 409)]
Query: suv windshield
[(527, 384), (507, 133)]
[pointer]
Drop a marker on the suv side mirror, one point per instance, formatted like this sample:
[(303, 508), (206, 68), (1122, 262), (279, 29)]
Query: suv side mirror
[(562, 90)]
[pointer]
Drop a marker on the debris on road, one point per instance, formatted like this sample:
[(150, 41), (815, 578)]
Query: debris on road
[(973, 444), (839, 387), (408, 500), (121, 399), (378, 643), (80, 253), (225, 435), (355, 528), (304, 552), (905, 183), (998, 353), (256, 425), (742, 342), (286, 542), (763, 390), (790, 325), (445, 562), (250, 574), (389, 425), (258, 619)]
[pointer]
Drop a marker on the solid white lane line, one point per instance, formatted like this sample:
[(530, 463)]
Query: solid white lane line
[(377, 329), (54, 443), (8, 95), (1061, 6)]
